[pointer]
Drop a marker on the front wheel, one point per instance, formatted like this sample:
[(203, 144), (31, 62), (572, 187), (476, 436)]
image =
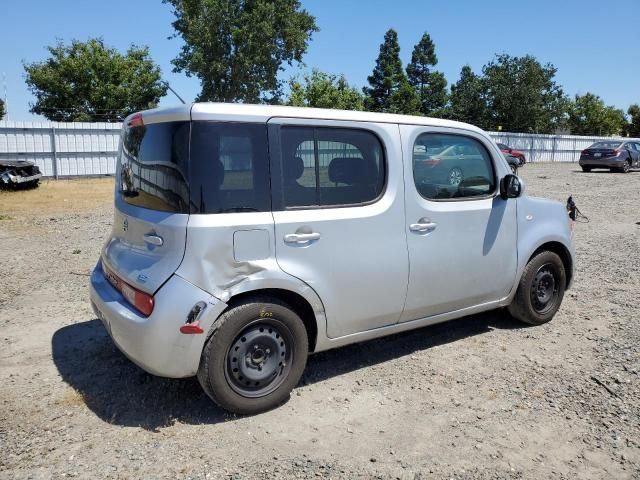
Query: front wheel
[(254, 357), (541, 289), (514, 169)]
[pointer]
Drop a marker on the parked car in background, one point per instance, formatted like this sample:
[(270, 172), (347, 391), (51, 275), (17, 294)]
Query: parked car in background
[(513, 152), (614, 155), (514, 162), (247, 236), (19, 174)]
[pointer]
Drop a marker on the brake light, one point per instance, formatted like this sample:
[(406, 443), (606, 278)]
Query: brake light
[(616, 152), (143, 302), (432, 162), (135, 121)]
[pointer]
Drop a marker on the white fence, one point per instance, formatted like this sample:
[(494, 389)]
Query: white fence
[(89, 149), (62, 149)]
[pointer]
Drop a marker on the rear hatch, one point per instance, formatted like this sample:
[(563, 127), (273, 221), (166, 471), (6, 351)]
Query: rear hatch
[(149, 233)]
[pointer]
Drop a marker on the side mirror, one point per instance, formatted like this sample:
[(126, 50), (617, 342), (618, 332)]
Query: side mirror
[(510, 187)]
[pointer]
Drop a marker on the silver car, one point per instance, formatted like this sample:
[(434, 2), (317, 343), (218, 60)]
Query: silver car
[(246, 237)]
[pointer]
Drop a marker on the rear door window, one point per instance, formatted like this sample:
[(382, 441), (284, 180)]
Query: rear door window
[(153, 166), (229, 168), (326, 167)]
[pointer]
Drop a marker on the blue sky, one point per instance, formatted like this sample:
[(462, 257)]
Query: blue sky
[(594, 44)]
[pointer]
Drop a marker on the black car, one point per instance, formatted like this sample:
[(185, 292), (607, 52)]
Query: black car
[(615, 155)]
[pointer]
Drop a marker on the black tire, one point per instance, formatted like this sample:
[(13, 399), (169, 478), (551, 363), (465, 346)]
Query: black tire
[(514, 169), (541, 289), (272, 347), (586, 169), (626, 167)]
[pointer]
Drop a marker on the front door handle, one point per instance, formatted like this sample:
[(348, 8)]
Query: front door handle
[(301, 237), (423, 225)]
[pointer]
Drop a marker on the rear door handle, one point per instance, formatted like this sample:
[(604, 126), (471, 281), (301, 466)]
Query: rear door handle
[(301, 237), (154, 240), (422, 226)]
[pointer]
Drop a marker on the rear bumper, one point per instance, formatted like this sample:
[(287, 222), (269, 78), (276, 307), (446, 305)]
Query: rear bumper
[(155, 343), (612, 162)]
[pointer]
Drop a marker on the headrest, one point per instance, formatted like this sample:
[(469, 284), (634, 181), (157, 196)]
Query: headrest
[(294, 169), (353, 171)]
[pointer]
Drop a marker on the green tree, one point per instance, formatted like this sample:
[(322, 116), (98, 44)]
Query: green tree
[(324, 90), (3, 110), (633, 128), (237, 47), (588, 115), (467, 100), (389, 89), (430, 85), (88, 82), (522, 95)]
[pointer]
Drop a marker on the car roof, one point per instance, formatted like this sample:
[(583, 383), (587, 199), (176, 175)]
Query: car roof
[(262, 113)]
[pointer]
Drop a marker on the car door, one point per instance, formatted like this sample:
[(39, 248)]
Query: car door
[(338, 201), (461, 236), (634, 148)]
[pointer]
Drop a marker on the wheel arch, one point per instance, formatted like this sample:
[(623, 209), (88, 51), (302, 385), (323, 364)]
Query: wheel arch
[(563, 252), (297, 302)]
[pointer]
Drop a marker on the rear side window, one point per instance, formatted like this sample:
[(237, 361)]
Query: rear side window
[(330, 167), (229, 168), (153, 166), (448, 167)]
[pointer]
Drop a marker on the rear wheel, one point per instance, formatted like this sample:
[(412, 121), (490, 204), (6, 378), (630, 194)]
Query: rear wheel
[(626, 167), (455, 176), (254, 357), (586, 169), (541, 289)]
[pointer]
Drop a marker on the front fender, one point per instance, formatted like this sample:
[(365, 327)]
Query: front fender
[(541, 222)]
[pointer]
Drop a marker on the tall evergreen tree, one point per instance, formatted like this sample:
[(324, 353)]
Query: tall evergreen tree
[(467, 99), (3, 111), (389, 90), (430, 85)]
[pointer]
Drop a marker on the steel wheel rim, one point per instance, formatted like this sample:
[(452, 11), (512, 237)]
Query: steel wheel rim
[(455, 176), (259, 359), (544, 288)]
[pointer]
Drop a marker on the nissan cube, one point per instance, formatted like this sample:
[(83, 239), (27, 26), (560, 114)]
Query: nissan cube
[(247, 236)]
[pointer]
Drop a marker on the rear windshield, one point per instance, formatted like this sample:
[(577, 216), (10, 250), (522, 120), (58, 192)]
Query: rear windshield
[(198, 167), (610, 145), (154, 166)]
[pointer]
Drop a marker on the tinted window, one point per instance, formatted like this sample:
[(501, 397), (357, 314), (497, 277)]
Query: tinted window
[(451, 166), (153, 166), (229, 169), (330, 166)]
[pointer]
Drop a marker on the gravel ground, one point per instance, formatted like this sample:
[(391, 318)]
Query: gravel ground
[(481, 397)]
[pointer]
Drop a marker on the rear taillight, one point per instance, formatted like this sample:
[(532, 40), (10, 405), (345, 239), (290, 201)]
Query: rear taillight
[(616, 152), (432, 162), (584, 152), (135, 121), (143, 302)]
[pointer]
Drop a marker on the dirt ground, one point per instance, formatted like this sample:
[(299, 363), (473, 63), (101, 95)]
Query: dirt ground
[(481, 397)]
